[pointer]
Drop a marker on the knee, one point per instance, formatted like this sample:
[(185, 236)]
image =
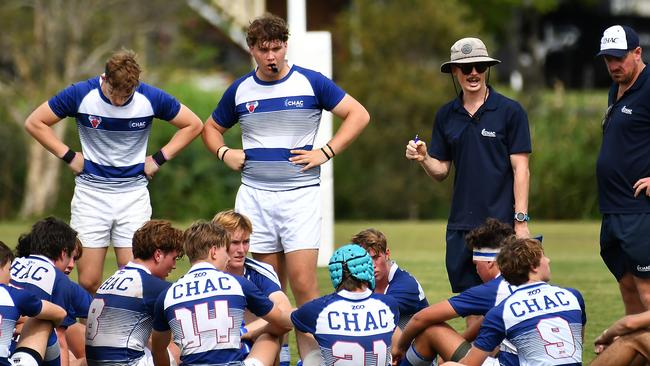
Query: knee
[(90, 283)]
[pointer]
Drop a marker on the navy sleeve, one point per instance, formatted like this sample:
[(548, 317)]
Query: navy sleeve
[(159, 319), (225, 115), (165, 106), (438, 147), (256, 302), (492, 331), (581, 301), (518, 130), (152, 291), (477, 300), (328, 94), (407, 294), (304, 318), (26, 303), (66, 102)]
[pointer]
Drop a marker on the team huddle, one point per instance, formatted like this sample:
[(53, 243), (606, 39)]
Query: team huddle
[(231, 307)]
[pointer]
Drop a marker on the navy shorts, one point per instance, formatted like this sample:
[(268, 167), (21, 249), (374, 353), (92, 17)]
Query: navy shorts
[(460, 268), (625, 244)]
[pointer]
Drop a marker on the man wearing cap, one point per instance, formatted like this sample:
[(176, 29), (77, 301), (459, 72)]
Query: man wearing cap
[(486, 136), (623, 169)]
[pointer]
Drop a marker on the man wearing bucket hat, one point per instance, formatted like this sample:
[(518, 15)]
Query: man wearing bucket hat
[(623, 170), (486, 136)]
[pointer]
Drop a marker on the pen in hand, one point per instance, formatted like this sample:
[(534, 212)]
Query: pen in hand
[(416, 139)]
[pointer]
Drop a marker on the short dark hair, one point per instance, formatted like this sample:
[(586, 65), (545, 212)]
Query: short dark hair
[(154, 235), (489, 235), (49, 237), (518, 257), (6, 255), (267, 28)]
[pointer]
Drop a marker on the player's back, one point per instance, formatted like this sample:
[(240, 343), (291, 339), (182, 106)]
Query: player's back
[(204, 310), (544, 323), (408, 293), (356, 326), (121, 316)]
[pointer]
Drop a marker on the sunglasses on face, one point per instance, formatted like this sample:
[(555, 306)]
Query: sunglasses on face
[(467, 68)]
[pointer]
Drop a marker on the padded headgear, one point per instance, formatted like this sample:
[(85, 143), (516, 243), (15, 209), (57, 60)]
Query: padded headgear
[(353, 260)]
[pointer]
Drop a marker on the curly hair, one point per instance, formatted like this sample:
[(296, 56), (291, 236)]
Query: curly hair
[(154, 235), (267, 28), (122, 71), (201, 236), (489, 235), (371, 239), (518, 257)]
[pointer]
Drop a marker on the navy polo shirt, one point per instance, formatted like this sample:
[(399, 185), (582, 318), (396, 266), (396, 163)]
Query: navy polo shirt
[(625, 152), (480, 148)]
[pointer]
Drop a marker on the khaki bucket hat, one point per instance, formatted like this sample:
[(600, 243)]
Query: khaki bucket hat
[(466, 51)]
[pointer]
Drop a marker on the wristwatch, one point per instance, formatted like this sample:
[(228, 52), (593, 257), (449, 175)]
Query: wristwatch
[(521, 217)]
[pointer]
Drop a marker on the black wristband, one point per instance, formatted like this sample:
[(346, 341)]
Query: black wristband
[(68, 156), (323, 150), (224, 153), (331, 150), (159, 158)]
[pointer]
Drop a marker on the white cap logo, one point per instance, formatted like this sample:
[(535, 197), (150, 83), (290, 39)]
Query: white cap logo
[(614, 38)]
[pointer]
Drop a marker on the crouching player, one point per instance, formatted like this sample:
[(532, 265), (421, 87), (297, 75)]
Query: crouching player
[(545, 322), (204, 309), (121, 315), (353, 324), (15, 303)]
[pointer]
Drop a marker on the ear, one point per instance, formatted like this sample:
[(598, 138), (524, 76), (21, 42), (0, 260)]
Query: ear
[(387, 253)]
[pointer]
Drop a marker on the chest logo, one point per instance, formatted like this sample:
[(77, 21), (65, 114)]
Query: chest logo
[(293, 103), (626, 110), (250, 106), (487, 133), (94, 121)]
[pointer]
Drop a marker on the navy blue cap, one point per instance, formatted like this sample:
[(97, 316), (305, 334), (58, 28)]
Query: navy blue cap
[(618, 40)]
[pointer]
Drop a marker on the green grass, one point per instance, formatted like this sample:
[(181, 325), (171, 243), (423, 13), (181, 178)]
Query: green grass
[(418, 246)]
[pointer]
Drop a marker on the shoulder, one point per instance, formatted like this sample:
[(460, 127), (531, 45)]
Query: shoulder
[(505, 102)]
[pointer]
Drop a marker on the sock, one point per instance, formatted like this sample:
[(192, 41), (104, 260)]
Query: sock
[(285, 355), (413, 358)]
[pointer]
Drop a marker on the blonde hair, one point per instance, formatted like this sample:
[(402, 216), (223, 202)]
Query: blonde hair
[(232, 221)]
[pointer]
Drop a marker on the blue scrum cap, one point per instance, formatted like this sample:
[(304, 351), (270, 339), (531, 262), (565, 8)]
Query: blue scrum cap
[(353, 259)]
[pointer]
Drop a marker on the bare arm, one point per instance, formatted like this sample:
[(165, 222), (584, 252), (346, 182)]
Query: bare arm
[(355, 119), (256, 327), (159, 343), (521, 185), (51, 312), (475, 357), (433, 314), (436, 169), (279, 322), (39, 125), (189, 126), (213, 139), (625, 325)]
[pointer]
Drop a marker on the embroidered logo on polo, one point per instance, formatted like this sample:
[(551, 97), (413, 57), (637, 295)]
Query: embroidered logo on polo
[(250, 106), (487, 133), (94, 121), (643, 268), (626, 110)]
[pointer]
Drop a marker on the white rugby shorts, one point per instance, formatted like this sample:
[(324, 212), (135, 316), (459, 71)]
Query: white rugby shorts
[(102, 218), (283, 221)]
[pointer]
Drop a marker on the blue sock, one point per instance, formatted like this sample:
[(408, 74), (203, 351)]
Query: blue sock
[(413, 358)]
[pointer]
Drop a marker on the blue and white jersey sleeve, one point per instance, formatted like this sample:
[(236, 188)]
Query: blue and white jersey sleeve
[(478, 300), (492, 331), (408, 293), (258, 303), (262, 275), (66, 102), (164, 105), (80, 303), (25, 302)]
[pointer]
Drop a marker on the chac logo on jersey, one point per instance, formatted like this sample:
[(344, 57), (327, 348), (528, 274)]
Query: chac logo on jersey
[(250, 106), (94, 121), (293, 103)]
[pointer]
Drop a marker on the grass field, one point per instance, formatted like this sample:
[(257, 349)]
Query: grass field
[(418, 246)]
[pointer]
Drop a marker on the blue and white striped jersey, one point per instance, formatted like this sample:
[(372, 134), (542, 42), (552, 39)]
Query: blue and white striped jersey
[(355, 326), (408, 293), (544, 323), (80, 305), (262, 275), (480, 299), (37, 274), (113, 138), (204, 310), (121, 316), (276, 117), (14, 303)]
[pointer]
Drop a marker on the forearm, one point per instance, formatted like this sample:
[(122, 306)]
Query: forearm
[(189, 127), (212, 136), (46, 136), (349, 130), (521, 186), (436, 169)]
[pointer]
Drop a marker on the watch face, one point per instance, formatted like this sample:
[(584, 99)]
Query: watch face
[(520, 216)]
